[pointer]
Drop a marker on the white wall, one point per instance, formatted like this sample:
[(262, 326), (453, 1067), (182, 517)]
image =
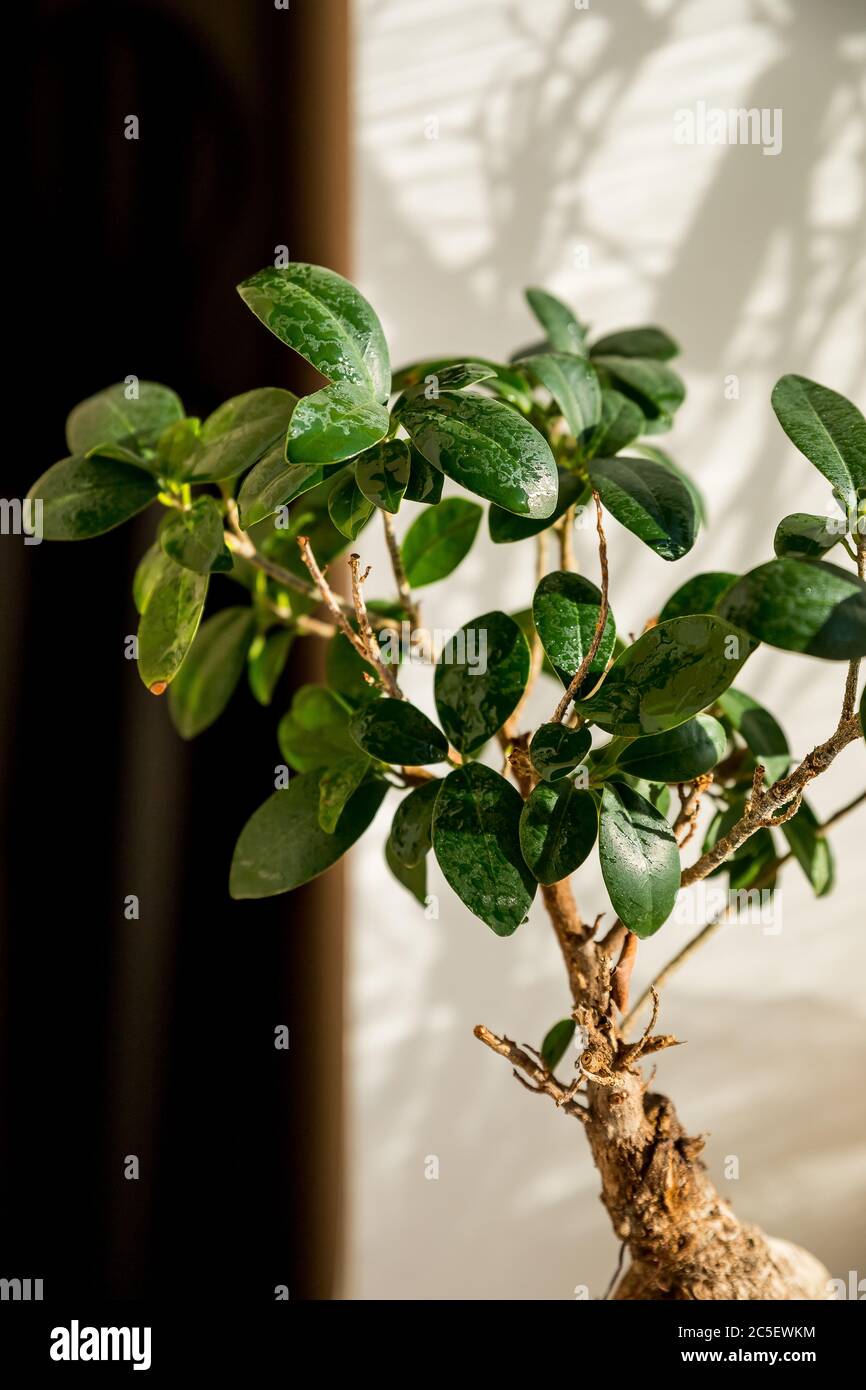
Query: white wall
[(555, 134)]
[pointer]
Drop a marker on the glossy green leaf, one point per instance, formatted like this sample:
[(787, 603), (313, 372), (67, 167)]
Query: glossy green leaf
[(178, 448), (348, 508), (828, 429), (334, 424), (655, 388), (620, 424), (207, 679), (146, 577), (505, 527), (396, 732), (476, 839), (573, 383), (339, 782), (382, 474), (558, 828), (806, 537), (565, 610), (84, 497), (273, 483), (676, 755), (556, 750), (486, 447), (110, 417), (656, 793), (643, 449), (565, 332), (507, 382), (637, 342), (698, 595), (556, 1043), (425, 481), (650, 500), (266, 662), (811, 849), (315, 730), (438, 540), (669, 674), (241, 431), (760, 731), (481, 675), (325, 319), (169, 623), (414, 879), (801, 606), (451, 376), (194, 538), (640, 860), (412, 827), (282, 845)]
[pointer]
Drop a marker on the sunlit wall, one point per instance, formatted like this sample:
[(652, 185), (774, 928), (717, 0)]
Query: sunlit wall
[(501, 145)]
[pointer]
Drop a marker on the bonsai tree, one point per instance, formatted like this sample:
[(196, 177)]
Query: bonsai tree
[(270, 490)]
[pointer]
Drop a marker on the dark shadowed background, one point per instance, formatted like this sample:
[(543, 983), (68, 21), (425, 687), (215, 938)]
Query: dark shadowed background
[(156, 1037)]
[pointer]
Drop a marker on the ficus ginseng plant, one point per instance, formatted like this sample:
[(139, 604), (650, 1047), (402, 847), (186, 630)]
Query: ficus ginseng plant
[(267, 492)]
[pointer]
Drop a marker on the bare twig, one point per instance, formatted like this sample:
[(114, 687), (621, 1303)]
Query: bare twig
[(686, 822), (368, 636), (545, 1083), (619, 983), (403, 591), (566, 540), (240, 543), (577, 680), (334, 606)]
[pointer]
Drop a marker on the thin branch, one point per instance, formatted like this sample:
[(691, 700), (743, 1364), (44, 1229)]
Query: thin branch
[(545, 1083), (536, 661), (686, 822), (566, 540), (577, 680), (240, 543), (619, 984), (403, 591), (334, 606), (854, 667), (368, 636), (843, 811)]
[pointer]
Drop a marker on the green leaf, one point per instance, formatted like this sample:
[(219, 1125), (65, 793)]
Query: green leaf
[(558, 828), (396, 732), (556, 1042), (84, 497), (348, 508), (382, 474), (637, 342), (339, 782), (573, 384), (565, 610), (698, 595), (438, 540), (481, 675), (177, 448), (335, 424), (670, 673), (450, 376), (828, 429), (565, 333), (241, 430), (486, 447), (642, 449), (266, 662), (146, 576), (677, 755), (640, 860), (806, 537), (656, 793), (556, 750), (801, 606), (412, 827), (110, 417), (273, 483), (620, 424), (811, 849), (651, 500), (505, 527), (345, 671), (654, 388), (282, 845), (505, 381), (169, 623), (759, 729), (315, 730), (325, 319), (413, 879), (476, 839), (194, 538), (207, 679), (425, 481)]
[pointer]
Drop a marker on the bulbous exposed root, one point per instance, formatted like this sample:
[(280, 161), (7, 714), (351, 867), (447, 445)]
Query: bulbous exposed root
[(768, 1268)]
